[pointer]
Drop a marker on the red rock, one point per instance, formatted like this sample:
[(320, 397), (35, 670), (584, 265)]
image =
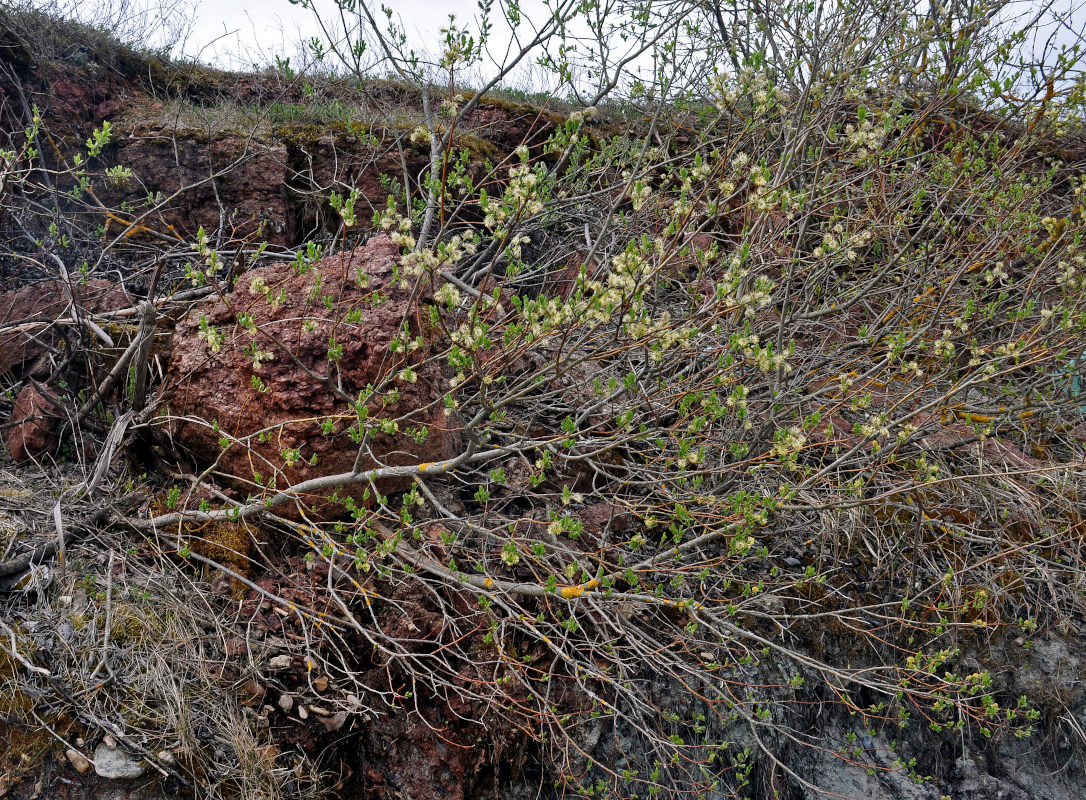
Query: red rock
[(337, 158), (701, 241), (29, 314), (36, 418), (562, 281), (291, 396), (108, 109), (74, 98), (604, 516)]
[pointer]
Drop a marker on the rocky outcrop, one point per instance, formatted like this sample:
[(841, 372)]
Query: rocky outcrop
[(233, 186), (280, 363), (257, 169)]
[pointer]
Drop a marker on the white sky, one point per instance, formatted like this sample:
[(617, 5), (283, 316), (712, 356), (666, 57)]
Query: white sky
[(239, 34), (257, 29), (242, 32)]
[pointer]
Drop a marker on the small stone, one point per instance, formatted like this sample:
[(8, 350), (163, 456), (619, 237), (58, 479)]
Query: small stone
[(268, 753), (255, 691), (321, 683), (279, 662), (78, 760), (117, 764), (166, 757), (286, 702), (334, 723), (34, 422), (303, 713)]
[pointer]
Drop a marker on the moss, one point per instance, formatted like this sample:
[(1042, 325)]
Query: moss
[(225, 542), (480, 148), (24, 741), (119, 331), (130, 624), (9, 668), (307, 134), (182, 133), (513, 108)]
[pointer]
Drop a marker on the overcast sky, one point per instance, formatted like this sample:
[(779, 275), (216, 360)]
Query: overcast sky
[(255, 30), (238, 33)]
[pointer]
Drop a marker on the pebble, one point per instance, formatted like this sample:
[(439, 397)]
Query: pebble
[(334, 723), (280, 662), (286, 702), (78, 760), (117, 764)]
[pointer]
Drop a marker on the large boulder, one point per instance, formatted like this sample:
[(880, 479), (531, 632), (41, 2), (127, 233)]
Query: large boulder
[(251, 386)]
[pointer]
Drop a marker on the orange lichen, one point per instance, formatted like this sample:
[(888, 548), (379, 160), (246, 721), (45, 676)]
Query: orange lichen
[(571, 592)]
